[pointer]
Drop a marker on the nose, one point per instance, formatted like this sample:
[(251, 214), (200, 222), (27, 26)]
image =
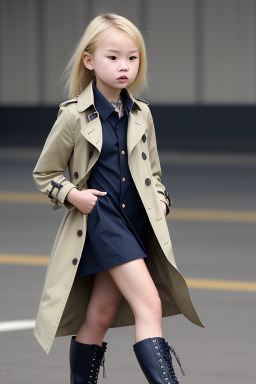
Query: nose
[(124, 66)]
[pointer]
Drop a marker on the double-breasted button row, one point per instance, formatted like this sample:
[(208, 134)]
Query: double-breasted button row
[(144, 156), (79, 234)]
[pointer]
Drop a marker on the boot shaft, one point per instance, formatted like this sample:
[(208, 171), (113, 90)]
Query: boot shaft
[(85, 361), (153, 355)]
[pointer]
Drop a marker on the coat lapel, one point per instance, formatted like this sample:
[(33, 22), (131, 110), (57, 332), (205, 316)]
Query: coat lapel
[(135, 130), (92, 131)]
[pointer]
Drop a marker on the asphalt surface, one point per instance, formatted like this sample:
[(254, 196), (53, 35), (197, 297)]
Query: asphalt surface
[(223, 352)]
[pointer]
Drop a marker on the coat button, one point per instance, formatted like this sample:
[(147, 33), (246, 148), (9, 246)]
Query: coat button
[(144, 138), (123, 178), (79, 233), (123, 205), (76, 175), (90, 154), (74, 261), (144, 156), (148, 181)]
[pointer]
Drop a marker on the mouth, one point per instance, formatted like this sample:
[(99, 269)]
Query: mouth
[(123, 78)]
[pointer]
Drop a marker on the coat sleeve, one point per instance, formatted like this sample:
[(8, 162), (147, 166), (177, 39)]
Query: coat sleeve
[(53, 161), (155, 164)]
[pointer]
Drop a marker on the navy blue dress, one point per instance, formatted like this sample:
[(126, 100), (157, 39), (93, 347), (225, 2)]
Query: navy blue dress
[(118, 223)]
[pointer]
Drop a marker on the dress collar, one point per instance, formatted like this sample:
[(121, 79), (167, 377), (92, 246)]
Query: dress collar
[(105, 108), (86, 99)]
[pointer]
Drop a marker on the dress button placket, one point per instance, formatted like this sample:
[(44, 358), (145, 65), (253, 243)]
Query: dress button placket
[(121, 135)]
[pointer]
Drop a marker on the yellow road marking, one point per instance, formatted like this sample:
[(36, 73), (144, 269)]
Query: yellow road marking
[(176, 214), (212, 215), (221, 285), (23, 197), (23, 259)]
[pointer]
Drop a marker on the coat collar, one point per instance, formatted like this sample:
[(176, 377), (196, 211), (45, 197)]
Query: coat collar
[(92, 130), (86, 98)]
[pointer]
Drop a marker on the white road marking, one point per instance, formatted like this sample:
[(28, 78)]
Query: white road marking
[(6, 326)]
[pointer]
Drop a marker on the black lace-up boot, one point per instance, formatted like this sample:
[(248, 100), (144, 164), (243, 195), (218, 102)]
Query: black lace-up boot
[(85, 361), (153, 355)]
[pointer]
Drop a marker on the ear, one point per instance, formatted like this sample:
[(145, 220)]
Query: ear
[(87, 60)]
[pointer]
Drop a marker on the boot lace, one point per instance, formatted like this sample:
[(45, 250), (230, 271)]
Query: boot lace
[(102, 360), (99, 360), (166, 350)]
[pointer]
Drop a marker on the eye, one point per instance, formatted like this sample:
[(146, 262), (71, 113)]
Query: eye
[(132, 58), (112, 58)]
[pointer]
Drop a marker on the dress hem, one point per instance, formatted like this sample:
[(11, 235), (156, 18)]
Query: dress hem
[(116, 265)]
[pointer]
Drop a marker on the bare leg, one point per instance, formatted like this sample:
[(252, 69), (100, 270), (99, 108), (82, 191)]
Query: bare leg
[(101, 310), (135, 283)]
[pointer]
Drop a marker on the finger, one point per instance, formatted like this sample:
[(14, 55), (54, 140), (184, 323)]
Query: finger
[(99, 193)]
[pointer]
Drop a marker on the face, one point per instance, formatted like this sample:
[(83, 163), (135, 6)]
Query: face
[(115, 62)]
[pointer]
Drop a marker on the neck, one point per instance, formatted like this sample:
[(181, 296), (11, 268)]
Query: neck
[(111, 94)]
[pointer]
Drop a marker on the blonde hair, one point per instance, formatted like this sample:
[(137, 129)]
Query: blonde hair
[(78, 77)]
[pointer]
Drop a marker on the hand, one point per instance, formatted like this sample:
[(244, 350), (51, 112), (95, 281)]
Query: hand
[(85, 200), (164, 206)]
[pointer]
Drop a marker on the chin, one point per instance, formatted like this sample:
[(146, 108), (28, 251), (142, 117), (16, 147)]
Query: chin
[(121, 86)]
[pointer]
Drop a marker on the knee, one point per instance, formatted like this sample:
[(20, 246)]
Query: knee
[(107, 315), (151, 308), (155, 306), (102, 316)]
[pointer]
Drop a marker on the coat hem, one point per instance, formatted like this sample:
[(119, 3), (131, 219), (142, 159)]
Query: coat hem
[(124, 321)]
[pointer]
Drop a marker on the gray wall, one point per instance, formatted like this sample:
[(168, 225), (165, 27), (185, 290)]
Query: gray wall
[(199, 51)]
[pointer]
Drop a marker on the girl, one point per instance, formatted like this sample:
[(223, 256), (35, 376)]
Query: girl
[(112, 263)]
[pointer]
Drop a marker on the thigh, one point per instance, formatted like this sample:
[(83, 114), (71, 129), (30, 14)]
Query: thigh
[(136, 284), (105, 293)]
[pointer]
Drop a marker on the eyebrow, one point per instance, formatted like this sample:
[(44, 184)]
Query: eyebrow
[(116, 50)]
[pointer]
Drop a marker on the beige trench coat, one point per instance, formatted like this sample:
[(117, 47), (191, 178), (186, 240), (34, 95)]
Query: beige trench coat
[(76, 143)]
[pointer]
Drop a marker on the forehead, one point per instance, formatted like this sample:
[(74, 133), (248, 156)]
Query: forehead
[(114, 38)]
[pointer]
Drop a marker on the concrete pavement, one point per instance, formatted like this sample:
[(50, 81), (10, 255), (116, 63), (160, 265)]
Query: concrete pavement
[(223, 352)]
